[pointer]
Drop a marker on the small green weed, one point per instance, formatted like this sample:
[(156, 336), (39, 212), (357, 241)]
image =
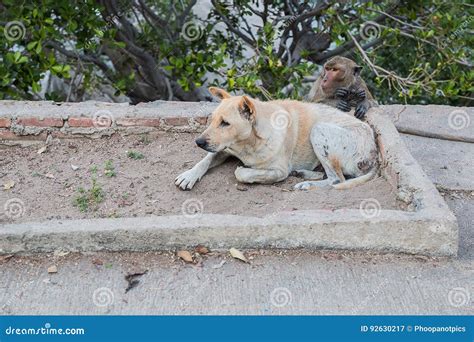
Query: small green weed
[(89, 199), (135, 155)]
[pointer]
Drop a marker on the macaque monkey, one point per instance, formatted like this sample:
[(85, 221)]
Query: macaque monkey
[(340, 86)]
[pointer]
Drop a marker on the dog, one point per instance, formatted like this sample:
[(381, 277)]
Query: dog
[(277, 138)]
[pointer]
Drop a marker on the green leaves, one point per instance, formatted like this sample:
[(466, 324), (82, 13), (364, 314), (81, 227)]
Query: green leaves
[(425, 43), (61, 70), (16, 58)]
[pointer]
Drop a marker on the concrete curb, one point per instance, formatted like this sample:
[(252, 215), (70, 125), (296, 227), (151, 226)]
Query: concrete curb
[(428, 227)]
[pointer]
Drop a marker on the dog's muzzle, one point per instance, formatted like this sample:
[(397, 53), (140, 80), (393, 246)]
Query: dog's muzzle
[(202, 143)]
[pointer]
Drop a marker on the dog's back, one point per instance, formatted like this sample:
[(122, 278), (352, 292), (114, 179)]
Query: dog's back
[(305, 116)]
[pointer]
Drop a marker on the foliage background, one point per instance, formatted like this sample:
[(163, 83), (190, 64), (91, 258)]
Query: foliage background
[(412, 51)]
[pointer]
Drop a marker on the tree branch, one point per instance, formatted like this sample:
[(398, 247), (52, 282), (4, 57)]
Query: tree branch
[(232, 27)]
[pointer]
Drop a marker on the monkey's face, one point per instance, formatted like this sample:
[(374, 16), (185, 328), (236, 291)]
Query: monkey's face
[(335, 76)]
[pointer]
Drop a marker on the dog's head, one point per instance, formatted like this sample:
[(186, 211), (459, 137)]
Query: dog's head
[(231, 122)]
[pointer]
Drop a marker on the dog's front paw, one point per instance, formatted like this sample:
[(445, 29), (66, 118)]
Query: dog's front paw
[(186, 180)]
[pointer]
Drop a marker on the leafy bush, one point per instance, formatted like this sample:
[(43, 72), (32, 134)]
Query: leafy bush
[(413, 51)]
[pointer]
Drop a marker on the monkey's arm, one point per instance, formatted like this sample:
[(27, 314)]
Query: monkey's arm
[(365, 101)]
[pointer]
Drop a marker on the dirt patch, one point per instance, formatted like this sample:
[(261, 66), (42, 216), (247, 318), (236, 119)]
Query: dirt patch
[(134, 176)]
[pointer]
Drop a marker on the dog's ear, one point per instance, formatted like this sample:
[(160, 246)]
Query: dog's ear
[(221, 94), (247, 108)]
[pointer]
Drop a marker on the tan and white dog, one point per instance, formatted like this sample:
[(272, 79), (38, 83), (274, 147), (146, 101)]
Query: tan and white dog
[(275, 138)]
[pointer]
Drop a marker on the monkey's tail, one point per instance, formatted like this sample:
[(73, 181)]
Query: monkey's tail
[(350, 183)]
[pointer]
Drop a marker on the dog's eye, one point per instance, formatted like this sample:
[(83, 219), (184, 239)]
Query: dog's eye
[(224, 123)]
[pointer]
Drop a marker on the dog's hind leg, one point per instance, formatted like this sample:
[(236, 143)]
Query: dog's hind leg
[(332, 178), (248, 175), (342, 151)]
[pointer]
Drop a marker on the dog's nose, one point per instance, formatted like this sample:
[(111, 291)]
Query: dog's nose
[(201, 142)]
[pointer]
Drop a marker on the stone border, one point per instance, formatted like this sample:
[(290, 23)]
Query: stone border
[(428, 227), (20, 120)]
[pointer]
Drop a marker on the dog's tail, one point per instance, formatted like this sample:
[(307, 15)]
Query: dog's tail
[(350, 183)]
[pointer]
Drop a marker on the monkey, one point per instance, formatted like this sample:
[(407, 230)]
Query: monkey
[(340, 85)]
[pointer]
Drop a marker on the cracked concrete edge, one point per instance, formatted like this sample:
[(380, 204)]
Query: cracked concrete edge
[(445, 122), (412, 182), (389, 231), (430, 229)]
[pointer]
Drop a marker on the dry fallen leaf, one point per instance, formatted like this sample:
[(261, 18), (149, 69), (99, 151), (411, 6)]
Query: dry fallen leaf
[(74, 167), (6, 257), (238, 255), (241, 187), (201, 249), (52, 269), (49, 139), (8, 185), (42, 149), (60, 253), (186, 256), (97, 262)]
